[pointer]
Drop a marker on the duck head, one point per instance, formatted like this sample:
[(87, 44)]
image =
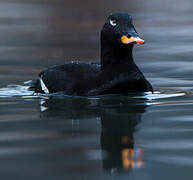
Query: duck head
[(118, 36), (119, 28)]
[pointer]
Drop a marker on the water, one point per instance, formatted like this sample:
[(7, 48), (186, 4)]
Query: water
[(138, 136)]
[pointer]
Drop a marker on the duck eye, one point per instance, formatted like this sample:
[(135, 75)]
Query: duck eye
[(113, 22)]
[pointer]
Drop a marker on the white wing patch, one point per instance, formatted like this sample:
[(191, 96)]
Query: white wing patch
[(43, 86)]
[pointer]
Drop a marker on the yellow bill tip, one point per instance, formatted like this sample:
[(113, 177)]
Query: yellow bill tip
[(139, 40)]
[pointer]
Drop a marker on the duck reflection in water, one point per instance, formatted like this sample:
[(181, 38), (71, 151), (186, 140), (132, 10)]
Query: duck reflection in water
[(117, 139), (118, 123)]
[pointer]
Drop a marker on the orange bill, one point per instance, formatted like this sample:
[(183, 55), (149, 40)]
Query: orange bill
[(126, 40)]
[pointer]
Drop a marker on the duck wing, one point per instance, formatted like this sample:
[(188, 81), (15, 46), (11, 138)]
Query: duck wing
[(71, 78)]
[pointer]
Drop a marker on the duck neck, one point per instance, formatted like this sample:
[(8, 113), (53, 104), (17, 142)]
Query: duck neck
[(116, 56)]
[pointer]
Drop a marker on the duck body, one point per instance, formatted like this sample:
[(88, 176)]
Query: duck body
[(117, 73), (73, 78), (87, 79)]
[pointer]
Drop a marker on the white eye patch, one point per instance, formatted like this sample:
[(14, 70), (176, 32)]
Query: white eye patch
[(113, 22)]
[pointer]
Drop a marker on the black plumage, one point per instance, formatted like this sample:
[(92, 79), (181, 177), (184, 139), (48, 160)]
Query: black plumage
[(117, 73)]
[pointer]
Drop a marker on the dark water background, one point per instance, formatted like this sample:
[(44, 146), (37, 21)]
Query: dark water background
[(120, 137)]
